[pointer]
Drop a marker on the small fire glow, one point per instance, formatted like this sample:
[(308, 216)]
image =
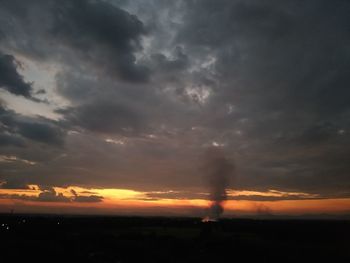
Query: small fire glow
[(207, 219)]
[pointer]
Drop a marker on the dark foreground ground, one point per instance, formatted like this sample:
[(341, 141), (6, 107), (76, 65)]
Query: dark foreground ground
[(136, 239)]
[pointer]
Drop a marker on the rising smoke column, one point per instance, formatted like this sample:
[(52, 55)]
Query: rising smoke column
[(218, 172)]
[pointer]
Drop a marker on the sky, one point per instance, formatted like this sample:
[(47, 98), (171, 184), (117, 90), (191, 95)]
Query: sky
[(109, 107)]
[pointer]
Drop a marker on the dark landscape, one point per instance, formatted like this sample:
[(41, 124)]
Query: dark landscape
[(160, 239)]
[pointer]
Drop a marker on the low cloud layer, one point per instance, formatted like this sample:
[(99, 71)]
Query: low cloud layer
[(49, 194)]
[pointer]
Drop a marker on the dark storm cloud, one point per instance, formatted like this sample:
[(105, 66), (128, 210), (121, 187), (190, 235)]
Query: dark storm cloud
[(10, 79), (276, 56), (95, 32), (10, 139), (101, 106), (15, 128), (266, 80), (87, 24), (42, 132), (284, 68), (105, 116), (171, 66)]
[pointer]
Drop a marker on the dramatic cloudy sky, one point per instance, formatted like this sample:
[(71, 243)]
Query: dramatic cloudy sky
[(109, 106)]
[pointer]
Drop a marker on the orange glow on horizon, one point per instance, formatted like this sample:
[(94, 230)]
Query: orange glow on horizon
[(115, 200)]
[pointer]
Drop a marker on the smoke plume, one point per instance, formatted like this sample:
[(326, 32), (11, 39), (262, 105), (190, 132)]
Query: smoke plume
[(218, 171)]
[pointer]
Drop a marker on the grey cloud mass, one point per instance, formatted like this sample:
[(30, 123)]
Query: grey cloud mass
[(103, 33), (10, 79), (14, 126), (148, 85)]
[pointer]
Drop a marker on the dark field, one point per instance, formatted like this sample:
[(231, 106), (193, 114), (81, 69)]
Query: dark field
[(139, 239)]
